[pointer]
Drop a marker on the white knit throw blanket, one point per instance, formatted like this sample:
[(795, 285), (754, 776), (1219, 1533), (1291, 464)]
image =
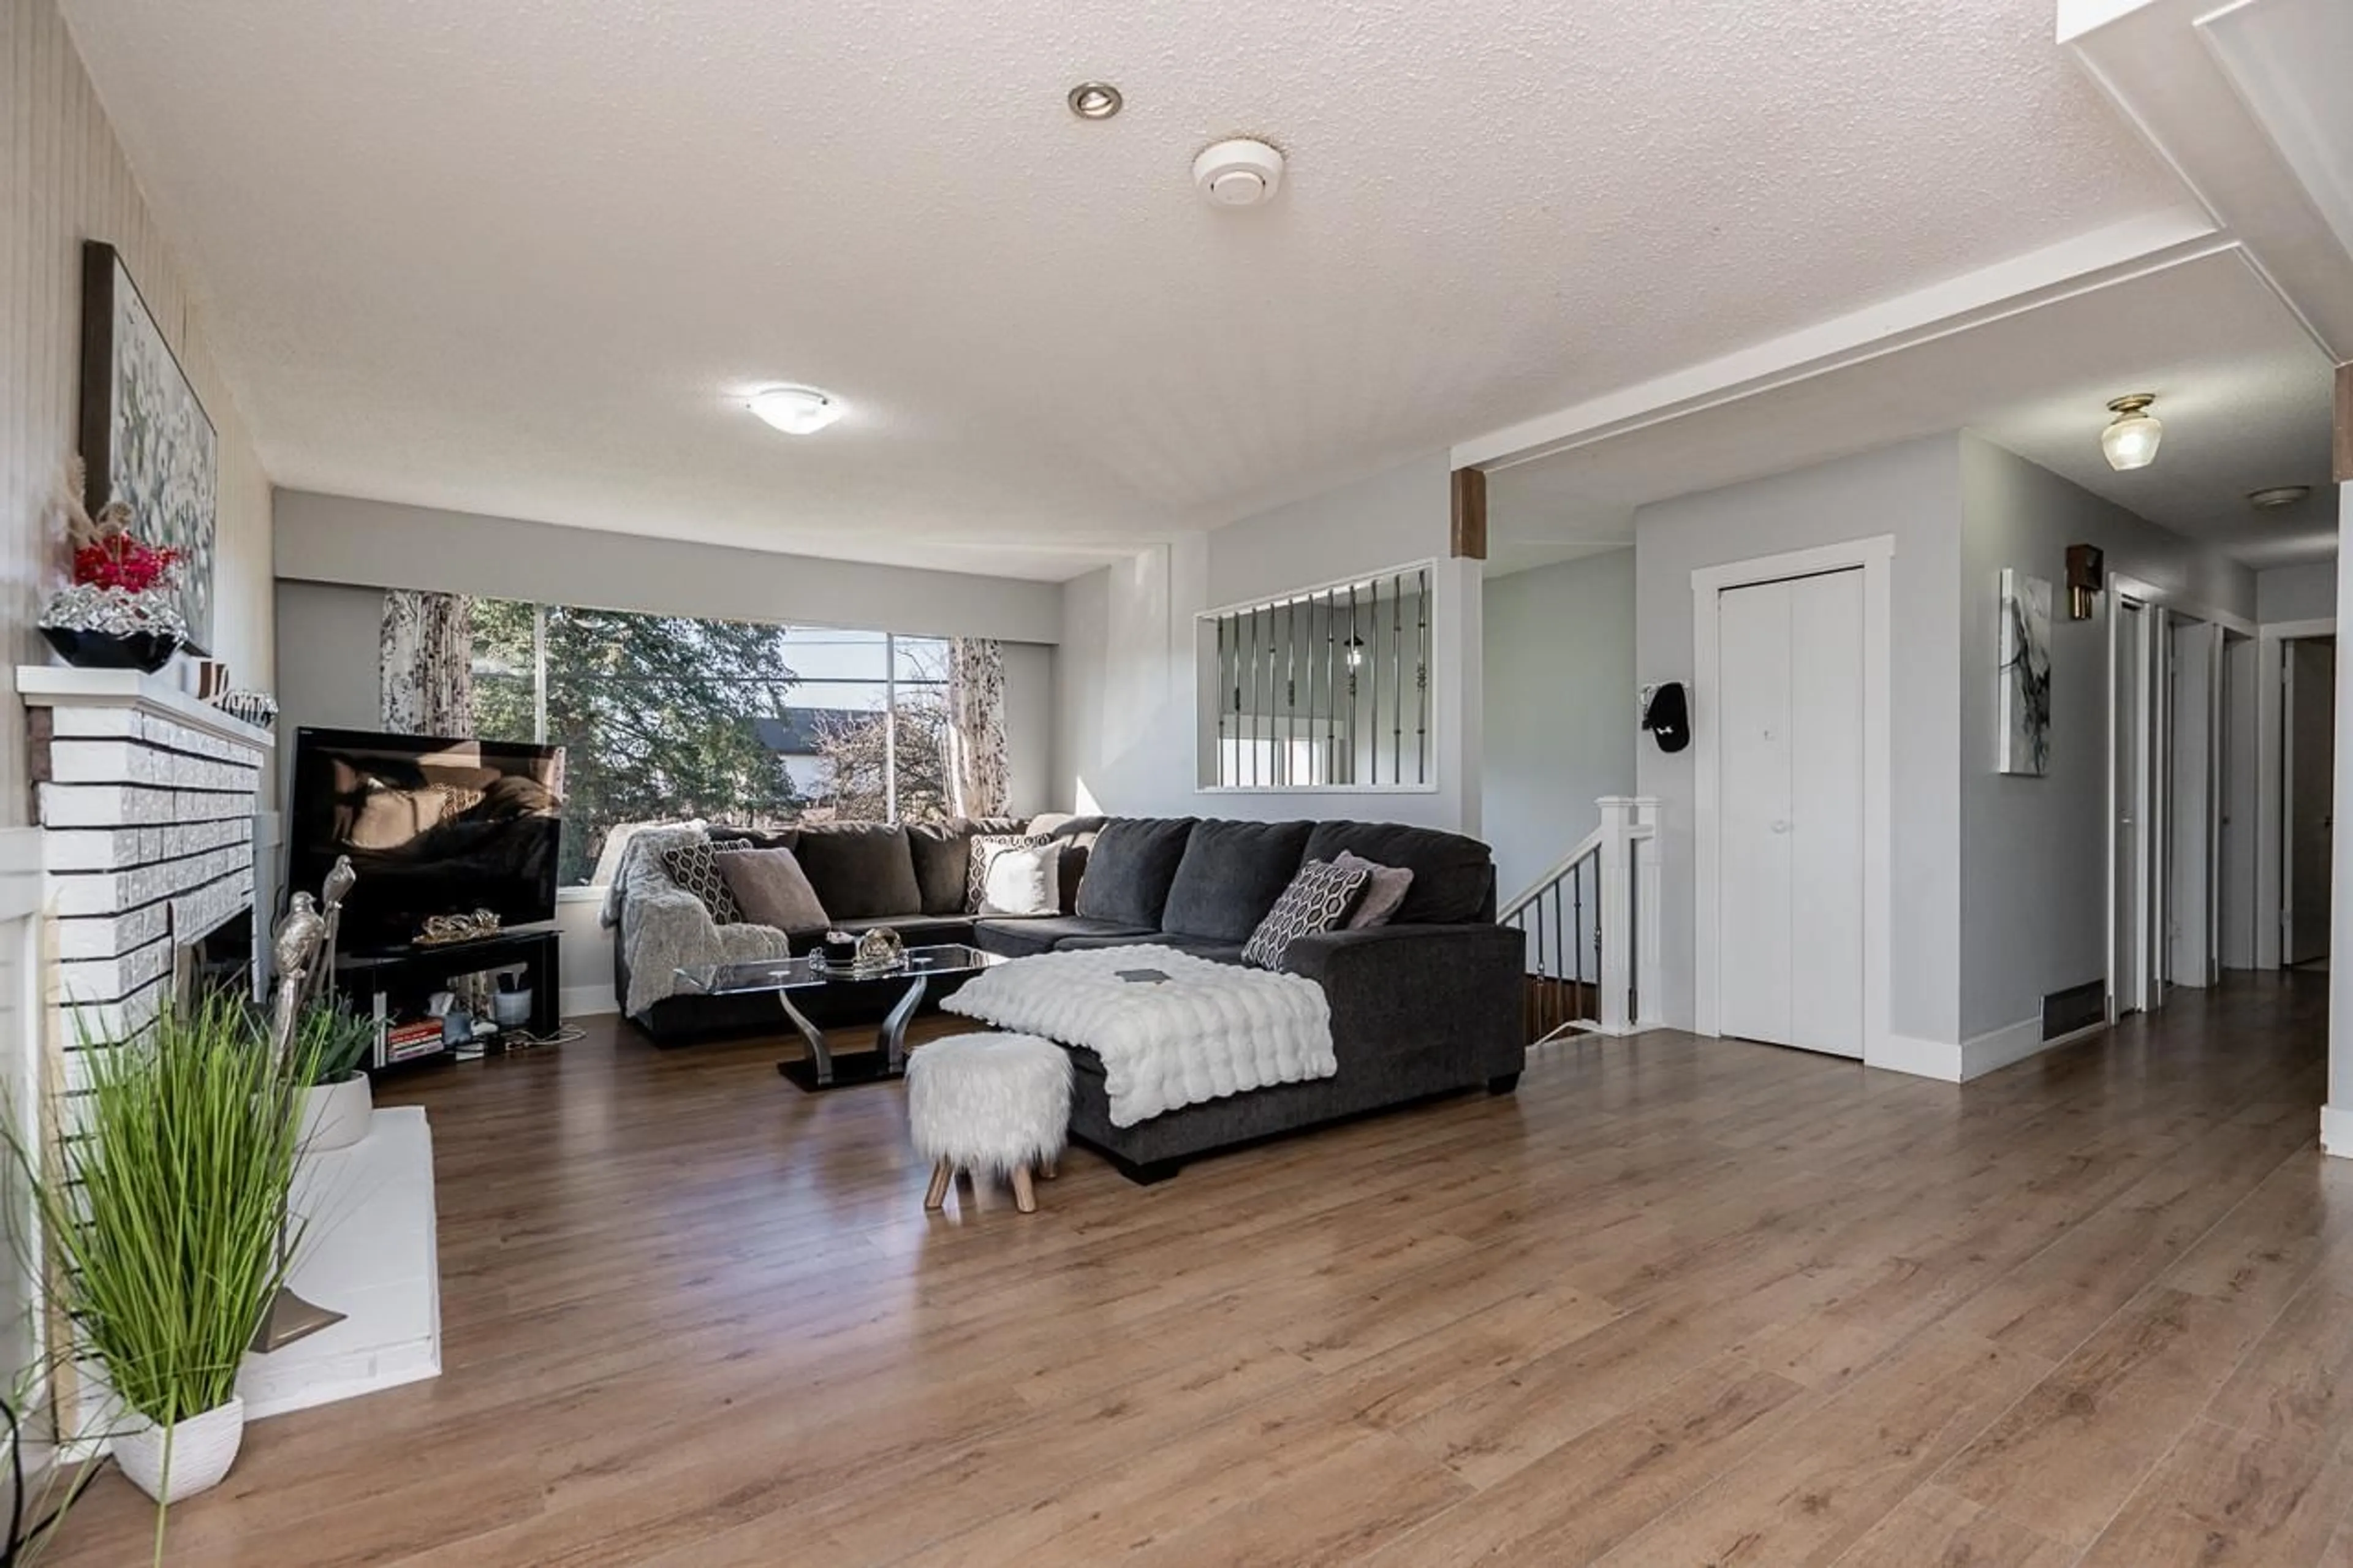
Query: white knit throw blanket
[(1207, 1031)]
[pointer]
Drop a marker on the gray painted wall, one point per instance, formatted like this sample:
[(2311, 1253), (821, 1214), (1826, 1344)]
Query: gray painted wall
[(380, 544), (2297, 593), (2034, 870), (1912, 491), (1126, 723), (1561, 725)]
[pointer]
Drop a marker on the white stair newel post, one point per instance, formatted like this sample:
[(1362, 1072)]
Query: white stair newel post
[(1649, 890)]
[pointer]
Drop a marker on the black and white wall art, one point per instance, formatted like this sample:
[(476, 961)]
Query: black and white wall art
[(145, 439), (2024, 722)]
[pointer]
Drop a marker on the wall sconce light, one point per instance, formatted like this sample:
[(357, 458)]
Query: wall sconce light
[(2086, 575), (1356, 653)]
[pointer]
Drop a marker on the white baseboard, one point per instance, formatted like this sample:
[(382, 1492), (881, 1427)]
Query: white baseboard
[(1938, 1060), (1998, 1048), (2336, 1131), (585, 1001)]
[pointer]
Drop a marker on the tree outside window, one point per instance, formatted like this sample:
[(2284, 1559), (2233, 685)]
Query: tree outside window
[(664, 718)]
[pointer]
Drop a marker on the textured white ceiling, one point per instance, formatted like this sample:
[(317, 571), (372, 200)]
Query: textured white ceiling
[(512, 258), (2243, 392)]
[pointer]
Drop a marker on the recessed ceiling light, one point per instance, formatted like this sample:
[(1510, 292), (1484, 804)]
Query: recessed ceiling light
[(1095, 100), (796, 410), (2130, 440), (2277, 495)]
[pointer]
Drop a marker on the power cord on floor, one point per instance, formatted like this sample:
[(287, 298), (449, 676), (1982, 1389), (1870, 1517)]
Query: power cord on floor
[(514, 1040)]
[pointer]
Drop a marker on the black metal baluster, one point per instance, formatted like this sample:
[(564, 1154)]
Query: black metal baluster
[(1397, 680), (1421, 689)]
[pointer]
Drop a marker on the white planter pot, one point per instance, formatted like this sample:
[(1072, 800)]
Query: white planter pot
[(335, 1115), (203, 1449)]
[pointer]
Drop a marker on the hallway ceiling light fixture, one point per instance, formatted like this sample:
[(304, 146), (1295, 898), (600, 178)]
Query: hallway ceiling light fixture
[(796, 410), (2276, 496), (2130, 440), (1095, 100)]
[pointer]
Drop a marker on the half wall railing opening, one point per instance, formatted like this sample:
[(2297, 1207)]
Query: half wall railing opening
[(1591, 929), (1329, 687)]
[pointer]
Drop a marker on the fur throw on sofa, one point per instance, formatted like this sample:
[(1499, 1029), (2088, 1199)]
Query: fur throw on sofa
[(664, 928)]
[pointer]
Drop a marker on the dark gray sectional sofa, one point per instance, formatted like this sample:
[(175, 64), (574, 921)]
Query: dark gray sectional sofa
[(1427, 1004)]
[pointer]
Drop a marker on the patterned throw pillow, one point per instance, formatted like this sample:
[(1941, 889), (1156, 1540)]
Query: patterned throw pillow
[(694, 866), (1318, 898), (984, 848)]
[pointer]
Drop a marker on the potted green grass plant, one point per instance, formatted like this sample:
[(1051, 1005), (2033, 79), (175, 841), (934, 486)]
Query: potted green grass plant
[(338, 1103), (162, 1205)]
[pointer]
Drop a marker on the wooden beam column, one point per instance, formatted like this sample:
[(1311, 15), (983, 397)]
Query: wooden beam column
[(1468, 538)]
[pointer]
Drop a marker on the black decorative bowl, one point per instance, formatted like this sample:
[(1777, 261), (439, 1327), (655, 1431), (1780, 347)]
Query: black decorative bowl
[(147, 651)]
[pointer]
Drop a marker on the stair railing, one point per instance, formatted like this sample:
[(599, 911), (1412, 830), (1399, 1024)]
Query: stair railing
[(1590, 924)]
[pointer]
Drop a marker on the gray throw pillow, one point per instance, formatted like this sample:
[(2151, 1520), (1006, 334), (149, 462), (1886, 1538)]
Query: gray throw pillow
[(1318, 898), (1384, 890), (694, 867), (770, 889), (987, 846)]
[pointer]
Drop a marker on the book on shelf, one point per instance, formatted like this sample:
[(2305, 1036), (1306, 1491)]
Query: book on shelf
[(403, 1041)]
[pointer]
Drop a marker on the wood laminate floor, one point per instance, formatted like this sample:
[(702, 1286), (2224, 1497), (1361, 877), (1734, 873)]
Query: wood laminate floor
[(1677, 1302)]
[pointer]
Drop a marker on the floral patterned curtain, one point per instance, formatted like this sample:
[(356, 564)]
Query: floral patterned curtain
[(980, 776), (427, 661)]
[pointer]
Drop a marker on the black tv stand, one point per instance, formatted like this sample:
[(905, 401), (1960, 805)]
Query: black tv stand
[(400, 980)]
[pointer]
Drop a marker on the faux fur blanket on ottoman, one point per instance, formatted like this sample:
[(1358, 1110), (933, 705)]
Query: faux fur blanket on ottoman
[(1200, 1031)]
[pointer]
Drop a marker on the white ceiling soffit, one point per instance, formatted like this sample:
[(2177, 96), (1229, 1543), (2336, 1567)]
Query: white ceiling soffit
[(2244, 393), (2246, 106), (510, 258)]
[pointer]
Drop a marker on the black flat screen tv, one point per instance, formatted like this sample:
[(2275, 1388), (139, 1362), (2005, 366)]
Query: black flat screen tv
[(433, 827)]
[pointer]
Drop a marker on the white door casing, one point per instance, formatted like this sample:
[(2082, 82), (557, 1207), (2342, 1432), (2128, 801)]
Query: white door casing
[(1871, 559)]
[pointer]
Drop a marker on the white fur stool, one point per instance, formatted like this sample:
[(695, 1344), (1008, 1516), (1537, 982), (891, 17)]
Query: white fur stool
[(989, 1102)]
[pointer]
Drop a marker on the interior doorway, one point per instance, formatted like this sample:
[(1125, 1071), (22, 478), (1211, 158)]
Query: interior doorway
[(2193, 860), (2236, 897), (2136, 796), (2307, 800)]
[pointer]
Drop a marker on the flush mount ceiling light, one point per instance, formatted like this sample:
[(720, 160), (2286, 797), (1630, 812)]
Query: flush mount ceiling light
[(1095, 100), (796, 410), (2130, 440), (2277, 495)]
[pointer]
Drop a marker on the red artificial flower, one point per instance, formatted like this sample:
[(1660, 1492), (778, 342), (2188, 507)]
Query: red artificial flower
[(123, 560)]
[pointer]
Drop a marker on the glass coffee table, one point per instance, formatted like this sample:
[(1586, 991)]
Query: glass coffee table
[(781, 977)]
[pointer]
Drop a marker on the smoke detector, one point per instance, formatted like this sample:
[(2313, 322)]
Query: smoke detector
[(2277, 495), (1243, 173)]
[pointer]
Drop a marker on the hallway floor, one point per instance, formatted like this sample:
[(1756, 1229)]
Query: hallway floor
[(1676, 1302)]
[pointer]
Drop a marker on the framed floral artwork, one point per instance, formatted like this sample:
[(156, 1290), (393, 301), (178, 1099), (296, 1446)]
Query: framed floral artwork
[(145, 439)]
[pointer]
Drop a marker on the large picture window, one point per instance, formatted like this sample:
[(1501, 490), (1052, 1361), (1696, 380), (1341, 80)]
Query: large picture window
[(665, 717)]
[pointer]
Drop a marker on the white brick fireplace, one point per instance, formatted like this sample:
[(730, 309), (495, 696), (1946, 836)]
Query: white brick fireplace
[(149, 806)]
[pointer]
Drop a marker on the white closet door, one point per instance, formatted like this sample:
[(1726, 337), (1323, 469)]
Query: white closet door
[(1826, 812), (1754, 882), (1789, 748)]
